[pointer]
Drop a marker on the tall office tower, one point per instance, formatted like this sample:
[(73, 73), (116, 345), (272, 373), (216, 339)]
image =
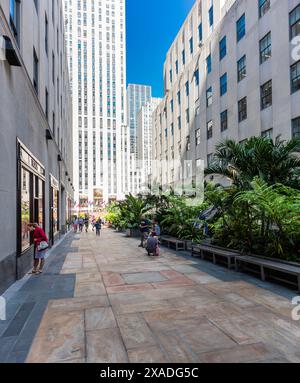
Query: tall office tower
[(35, 131), (95, 31), (222, 81), (137, 96), (144, 142)]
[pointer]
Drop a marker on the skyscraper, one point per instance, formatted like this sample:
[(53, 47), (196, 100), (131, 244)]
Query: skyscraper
[(144, 141), (95, 32), (137, 96)]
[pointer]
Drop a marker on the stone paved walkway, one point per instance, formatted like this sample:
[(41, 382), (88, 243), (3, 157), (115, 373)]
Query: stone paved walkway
[(105, 300)]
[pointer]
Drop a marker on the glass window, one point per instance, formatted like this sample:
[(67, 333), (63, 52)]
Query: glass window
[(266, 95), (223, 48), (198, 136), (35, 71), (264, 6), (209, 96), (296, 127), (25, 208), (224, 121), (15, 18), (41, 203), (295, 22), (197, 77), (223, 84), (295, 77), (191, 46), (242, 109), (241, 27), (208, 64), (200, 33), (209, 129), (241, 69), (265, 48), (268, 134), (211, 16), (183, 57), (187, 88), (55, 211)]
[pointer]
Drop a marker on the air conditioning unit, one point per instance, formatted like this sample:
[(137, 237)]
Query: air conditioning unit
[(10, 53)]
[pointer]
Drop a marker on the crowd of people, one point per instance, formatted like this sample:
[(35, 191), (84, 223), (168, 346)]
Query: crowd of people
[(84, 222)]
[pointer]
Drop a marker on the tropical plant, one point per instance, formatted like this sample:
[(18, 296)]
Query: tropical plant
[(274, 162)]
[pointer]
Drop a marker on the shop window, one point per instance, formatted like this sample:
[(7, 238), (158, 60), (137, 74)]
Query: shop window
[(25, 208)]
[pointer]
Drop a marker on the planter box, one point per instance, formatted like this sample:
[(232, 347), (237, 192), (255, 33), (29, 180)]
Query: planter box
[(133, 233)]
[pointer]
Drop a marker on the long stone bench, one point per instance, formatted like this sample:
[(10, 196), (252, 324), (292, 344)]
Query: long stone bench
[(166, 239), (216, 253), (266, 265)]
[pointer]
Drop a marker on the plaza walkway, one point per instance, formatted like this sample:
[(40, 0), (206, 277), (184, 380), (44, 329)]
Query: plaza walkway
[(104, 300)]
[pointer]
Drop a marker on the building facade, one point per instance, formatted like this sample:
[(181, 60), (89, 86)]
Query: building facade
[(35, 130), (233, 71), (137, 96), (144, 142), (96, 44)]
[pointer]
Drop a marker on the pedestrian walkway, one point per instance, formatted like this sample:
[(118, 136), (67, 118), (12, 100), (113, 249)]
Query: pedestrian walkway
[(104, 300)]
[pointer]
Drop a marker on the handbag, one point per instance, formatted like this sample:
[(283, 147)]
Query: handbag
[(43, 246)]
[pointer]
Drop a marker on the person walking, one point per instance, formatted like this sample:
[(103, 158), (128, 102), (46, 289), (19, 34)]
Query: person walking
[(98, 227), (75, 224), (41, 244), (80, 222), (86, 223)]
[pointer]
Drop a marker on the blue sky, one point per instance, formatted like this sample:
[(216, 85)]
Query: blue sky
[(151, 28)]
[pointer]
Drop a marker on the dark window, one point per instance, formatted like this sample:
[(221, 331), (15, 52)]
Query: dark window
[(224, 121), (266, 95), (35, 72), (296, 127), (209, 129), (197, 77), (241, 27), (191, 46), (264, 6), (15, 13), (200, 32), (209, 96), (53, 67), (242, 109), (265, 48), (295, 22), (36, 5), (223, 48), (223, 84), (183, 57), (178, 98), (241, 69), (171, 76), (211, 16), (46, 34), (187, 88), (172, 106), (295, 77), (177, 67), (46, 103), (187, 116), (208, 64), (179, 122), (188, 143)]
